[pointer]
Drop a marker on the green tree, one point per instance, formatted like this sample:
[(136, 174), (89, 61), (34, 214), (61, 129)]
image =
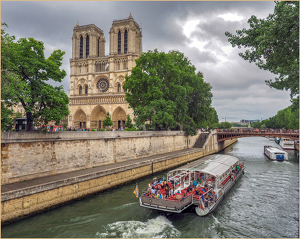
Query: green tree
[(274, 46), (225, 125), (128, 122), (256, 125), (25, 72), (164, 90), (6, 118), (284, 119), (107, 121), (215, 126)]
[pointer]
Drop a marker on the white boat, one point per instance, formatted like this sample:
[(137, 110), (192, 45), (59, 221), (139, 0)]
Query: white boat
[(274, 153), (212, 177), (287, 143)]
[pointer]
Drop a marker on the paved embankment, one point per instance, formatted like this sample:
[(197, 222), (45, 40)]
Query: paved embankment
[(28, 197), (32, 186), (31, 196)]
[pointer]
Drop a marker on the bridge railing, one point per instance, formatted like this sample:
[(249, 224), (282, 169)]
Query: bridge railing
[(222, 136)]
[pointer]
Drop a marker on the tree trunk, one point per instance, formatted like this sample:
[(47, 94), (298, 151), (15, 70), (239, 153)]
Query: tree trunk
[(29, 121)]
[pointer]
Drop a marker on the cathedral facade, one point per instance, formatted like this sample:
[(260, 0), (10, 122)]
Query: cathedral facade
[(96, 80)]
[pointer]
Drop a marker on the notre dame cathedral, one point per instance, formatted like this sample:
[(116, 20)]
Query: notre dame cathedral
[(96, 80)]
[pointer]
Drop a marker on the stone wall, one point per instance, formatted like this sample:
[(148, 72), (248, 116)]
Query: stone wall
[(18, 203), (14, 206), (31, 155)]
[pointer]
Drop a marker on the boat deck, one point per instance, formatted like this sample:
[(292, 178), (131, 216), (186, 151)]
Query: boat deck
[(174, 205)]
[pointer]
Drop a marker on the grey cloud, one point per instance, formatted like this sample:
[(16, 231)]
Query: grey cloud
[(235, 82)]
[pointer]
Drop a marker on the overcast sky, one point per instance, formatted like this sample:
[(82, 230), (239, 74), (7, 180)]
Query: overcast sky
[(196, 29)]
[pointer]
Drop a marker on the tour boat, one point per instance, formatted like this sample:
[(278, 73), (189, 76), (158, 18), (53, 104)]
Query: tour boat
[(287, 143), (275, 153), (201, 184)]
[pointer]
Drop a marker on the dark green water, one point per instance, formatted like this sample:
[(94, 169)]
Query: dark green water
[(263, 204)]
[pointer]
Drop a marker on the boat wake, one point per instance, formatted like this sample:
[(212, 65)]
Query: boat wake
[(125, 205), (159, 227)]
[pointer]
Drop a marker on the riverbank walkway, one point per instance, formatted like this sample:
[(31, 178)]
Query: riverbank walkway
[(28, 187)]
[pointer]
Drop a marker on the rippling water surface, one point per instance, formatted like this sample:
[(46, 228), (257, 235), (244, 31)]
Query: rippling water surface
[(263, 204)]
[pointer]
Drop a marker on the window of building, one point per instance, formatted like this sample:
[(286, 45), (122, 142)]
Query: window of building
[(86, 89), (119, 87), (125, 42), (81, 47), (87, 46), (119, 42), (80, 90)]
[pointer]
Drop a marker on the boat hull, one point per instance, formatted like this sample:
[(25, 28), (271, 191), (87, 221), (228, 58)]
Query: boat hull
[(275, 154), (224, 192), (287, 144)]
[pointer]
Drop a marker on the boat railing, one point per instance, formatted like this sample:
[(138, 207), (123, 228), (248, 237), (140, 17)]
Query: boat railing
[(167, 203)]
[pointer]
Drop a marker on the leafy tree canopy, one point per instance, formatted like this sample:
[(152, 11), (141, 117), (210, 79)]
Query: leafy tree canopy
[(273, 44), (107, 121), (128, 123), (284, 119), (6, 118), (225, 125), (25, 72), (164, 89)]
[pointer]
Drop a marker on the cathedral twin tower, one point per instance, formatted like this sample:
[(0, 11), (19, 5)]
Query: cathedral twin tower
[(96, 80)]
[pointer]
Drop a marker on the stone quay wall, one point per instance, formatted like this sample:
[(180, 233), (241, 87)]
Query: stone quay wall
[(29, 155), (19, 203)]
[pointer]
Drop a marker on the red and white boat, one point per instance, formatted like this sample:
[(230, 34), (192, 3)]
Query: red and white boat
[(201, 184)]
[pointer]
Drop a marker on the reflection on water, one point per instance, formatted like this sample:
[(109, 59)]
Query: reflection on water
[(264, 204)]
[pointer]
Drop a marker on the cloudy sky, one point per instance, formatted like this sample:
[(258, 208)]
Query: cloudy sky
[(197, 29)]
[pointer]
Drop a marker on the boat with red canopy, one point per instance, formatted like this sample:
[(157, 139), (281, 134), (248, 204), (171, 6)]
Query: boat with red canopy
[(202, 184)]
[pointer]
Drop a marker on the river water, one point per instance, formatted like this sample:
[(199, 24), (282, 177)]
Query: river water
[(263, 204)]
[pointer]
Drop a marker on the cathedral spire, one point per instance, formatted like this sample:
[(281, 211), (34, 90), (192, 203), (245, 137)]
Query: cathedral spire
[(130, 16)]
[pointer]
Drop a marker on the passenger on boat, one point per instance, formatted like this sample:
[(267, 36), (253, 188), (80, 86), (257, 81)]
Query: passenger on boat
[(199, 180), (150, 186), (194, 184), (152, 190), (214, 196), (167, 189), (206, 202)]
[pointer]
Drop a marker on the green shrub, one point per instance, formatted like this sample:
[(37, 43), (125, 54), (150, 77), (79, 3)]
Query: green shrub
[(131, 129)]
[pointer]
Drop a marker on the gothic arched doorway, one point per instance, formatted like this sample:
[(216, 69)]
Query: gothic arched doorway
[(119, 118), (80, 119), (98, 115)]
